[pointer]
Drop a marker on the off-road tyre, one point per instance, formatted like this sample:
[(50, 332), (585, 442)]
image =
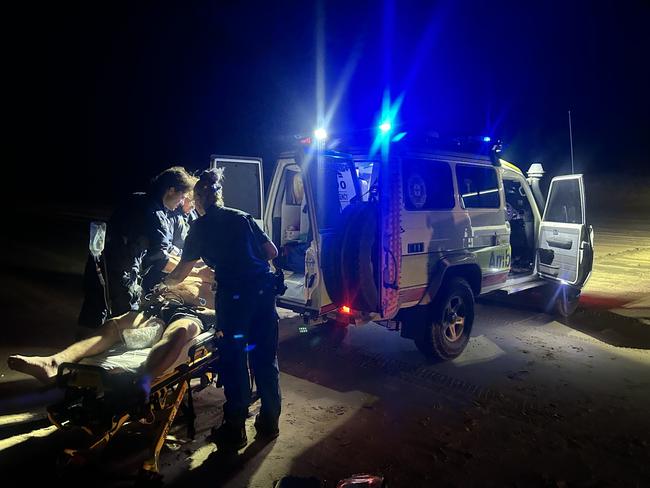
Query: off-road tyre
[(444, 335), (566, 301)]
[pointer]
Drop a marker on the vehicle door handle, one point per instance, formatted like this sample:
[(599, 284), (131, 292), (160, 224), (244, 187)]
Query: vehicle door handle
[(311, 281)]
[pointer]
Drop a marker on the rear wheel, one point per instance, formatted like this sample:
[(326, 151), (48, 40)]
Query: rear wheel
[(448, 326)]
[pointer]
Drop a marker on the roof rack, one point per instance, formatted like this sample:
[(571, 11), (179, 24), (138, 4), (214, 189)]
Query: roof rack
[(418, 140)]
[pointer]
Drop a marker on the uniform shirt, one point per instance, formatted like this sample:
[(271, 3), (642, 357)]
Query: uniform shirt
[(139, 239), (181, 223), (229, 241)]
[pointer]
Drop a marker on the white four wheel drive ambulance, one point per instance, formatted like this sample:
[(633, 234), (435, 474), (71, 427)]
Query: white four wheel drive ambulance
[(408, 240)]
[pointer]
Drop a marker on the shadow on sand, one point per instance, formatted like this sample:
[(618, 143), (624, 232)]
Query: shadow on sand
[(223, 465), (591, 318)]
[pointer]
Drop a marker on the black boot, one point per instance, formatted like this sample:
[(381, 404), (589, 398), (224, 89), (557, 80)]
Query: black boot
[(266, 429), (229, 436)]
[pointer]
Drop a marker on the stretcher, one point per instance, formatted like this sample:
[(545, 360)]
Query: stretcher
[(101, 396)]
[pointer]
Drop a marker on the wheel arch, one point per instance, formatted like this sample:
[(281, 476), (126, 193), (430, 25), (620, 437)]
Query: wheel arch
[(462, 265)]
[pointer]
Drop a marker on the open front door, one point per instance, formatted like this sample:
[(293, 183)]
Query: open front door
[(565, 246), (242, 184)]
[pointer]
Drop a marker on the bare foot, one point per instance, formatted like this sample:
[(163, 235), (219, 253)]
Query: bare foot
[(44, 369)]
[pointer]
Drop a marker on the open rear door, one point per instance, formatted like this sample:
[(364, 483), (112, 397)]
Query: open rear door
[(242, 184), (565, 247), (390, 195)]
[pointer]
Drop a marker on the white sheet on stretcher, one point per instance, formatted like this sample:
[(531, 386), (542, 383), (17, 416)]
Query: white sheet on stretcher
[(120, 359)]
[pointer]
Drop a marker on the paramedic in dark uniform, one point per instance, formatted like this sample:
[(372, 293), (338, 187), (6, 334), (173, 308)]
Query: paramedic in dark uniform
[(182, 217), (138, 251), (232, 243)]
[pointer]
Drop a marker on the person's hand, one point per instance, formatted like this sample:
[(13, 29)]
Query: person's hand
[(159, 289), (204, 273)]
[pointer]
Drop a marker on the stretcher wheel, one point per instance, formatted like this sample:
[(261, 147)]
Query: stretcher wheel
[(148, 479), (69, 464)]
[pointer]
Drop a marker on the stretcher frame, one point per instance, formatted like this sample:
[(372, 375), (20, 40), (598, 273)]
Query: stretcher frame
[(101, 403)]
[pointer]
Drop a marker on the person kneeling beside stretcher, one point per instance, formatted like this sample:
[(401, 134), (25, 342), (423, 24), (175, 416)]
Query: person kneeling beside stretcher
[(185, 311)]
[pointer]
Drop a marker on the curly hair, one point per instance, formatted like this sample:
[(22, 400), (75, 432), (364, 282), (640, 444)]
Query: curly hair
[(209, 188)]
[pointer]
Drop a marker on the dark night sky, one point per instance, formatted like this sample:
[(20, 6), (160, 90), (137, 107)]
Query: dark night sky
[(113, 92)]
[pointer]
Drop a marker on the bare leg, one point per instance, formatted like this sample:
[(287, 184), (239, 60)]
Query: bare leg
[(44, 368), (165, 352)]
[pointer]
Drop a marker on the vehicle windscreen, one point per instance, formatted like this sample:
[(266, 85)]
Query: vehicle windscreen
[(335, 187)]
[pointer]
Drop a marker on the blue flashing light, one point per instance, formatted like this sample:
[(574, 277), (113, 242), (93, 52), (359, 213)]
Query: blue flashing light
[(398, 137), (238, 336), (320, 134), (487, 138), (387, 121)]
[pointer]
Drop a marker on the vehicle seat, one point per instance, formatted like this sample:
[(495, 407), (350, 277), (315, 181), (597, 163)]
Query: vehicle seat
[(292, 256), (518, 239)]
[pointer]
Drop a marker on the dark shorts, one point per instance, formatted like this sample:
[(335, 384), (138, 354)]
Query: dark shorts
[(170, 312)]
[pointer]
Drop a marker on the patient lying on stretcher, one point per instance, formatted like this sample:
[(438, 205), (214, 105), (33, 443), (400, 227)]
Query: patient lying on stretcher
[(180, 314)]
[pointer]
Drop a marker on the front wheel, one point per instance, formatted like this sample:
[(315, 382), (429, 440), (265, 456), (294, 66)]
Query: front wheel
[(449, 323), (566, 301)]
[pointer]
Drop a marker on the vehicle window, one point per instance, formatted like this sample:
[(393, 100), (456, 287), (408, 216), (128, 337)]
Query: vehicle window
[(564, 204), (478, 186), (294, 189), (335, 188), (367, 175), (427, 185), (517, 204), (242, 189), (345, 184)]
